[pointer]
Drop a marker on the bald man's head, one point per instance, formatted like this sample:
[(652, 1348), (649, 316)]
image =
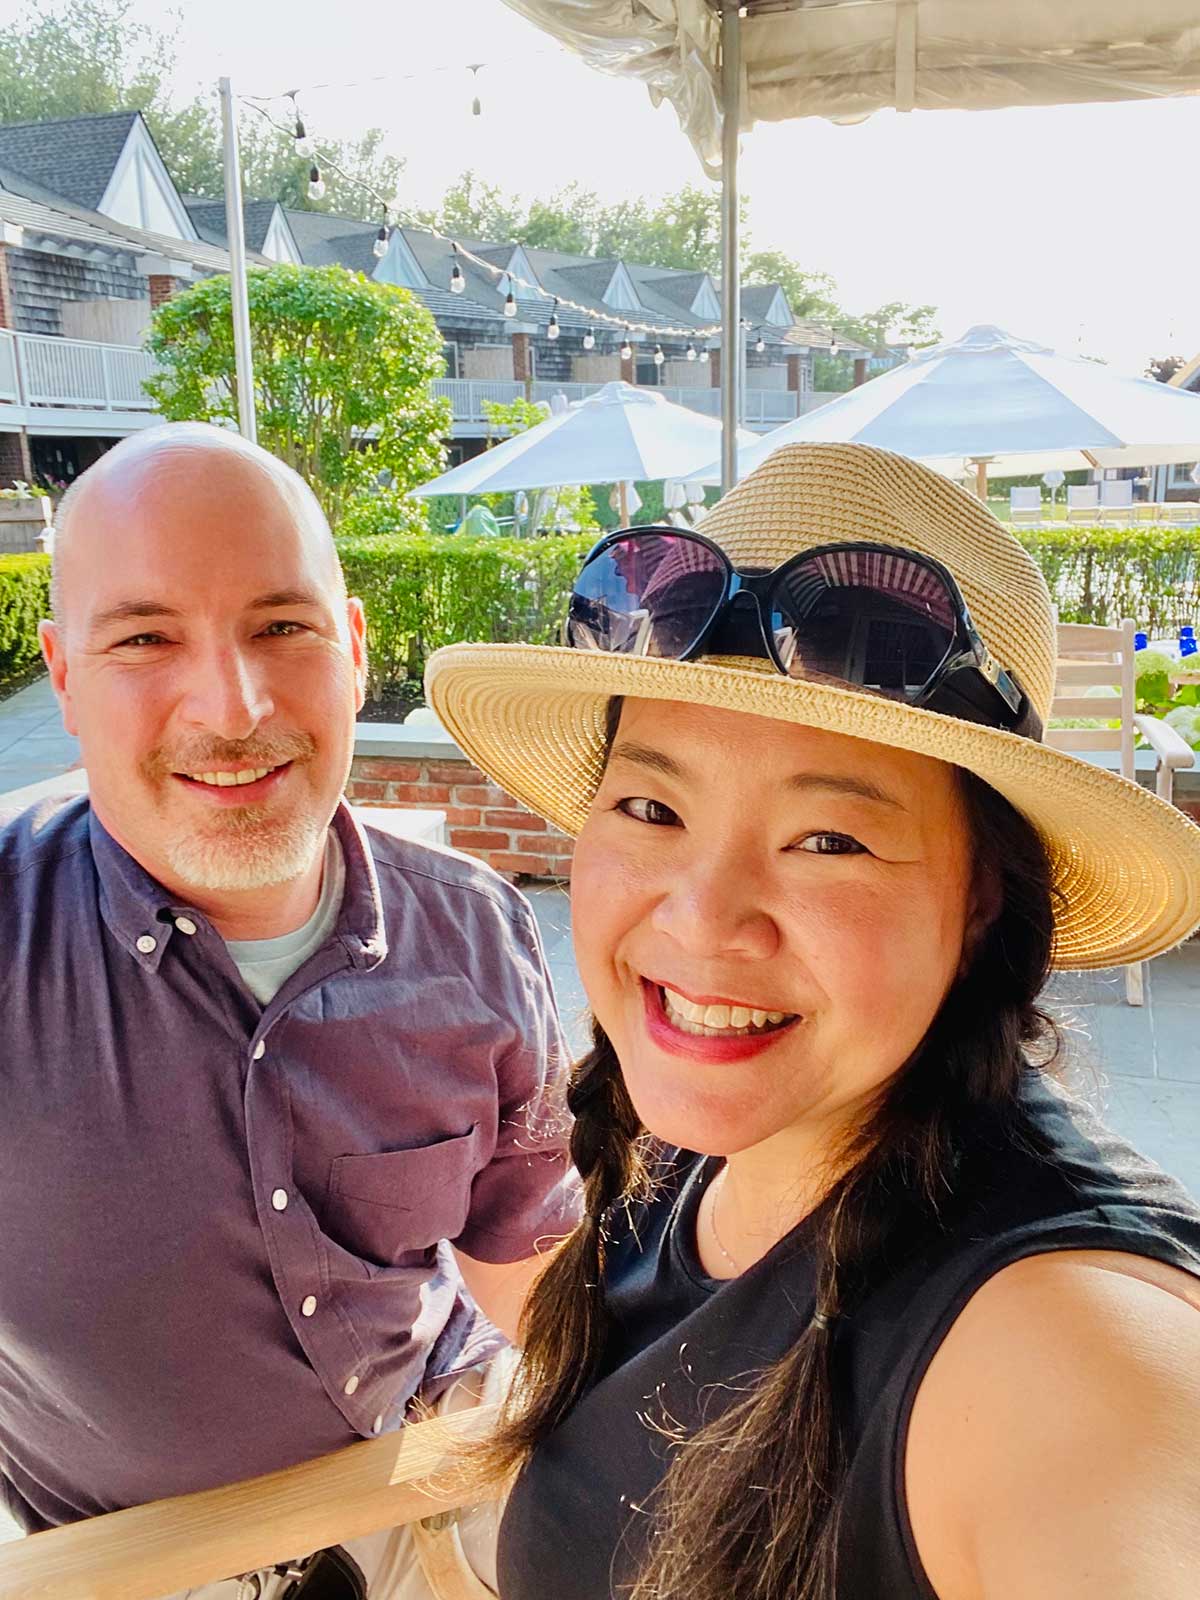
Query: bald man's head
[(156, 468)]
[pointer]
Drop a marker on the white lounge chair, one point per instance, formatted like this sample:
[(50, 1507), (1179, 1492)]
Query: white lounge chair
[(1083, 502), (1116, 500), (1096, 657), (1025, 506)]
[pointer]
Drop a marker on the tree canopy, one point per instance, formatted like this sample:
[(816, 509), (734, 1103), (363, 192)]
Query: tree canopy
[(91, 56), (342, 375)]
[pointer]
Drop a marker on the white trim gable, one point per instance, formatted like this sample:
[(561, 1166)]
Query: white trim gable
[(279, 243), (140, 191), (779, 312), (399, 266), (621, 294), (520, 264), (706, 305)]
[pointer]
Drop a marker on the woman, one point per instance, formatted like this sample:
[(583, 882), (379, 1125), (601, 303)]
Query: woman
[(863, 1305)]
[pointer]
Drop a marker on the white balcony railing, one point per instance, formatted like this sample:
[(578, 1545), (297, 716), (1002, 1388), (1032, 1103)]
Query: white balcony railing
[(468, 394), (39, 370), (762, 406)]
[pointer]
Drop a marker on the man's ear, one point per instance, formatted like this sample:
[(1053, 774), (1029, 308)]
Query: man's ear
[(54, 653), (358, 647)]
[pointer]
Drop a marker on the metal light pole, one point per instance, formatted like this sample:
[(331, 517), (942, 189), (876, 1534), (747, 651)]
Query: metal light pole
[(731, 311), (235, 234)]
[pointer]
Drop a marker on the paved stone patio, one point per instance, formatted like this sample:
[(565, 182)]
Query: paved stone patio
[(33, 743)]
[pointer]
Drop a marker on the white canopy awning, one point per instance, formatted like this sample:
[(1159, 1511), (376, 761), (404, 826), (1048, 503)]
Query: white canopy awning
[(844, 59)]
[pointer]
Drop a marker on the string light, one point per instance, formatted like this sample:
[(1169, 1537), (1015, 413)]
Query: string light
[(476, 107), (552, 325), (316, 184), (589, 339), (659, 357), (457, 282), (691, 351), (704, 358), (379, 248), (510, 301), (760, 344), (626, 349), (833, 345)]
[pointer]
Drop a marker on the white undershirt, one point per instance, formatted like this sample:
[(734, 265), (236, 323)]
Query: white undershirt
[(267, 964)]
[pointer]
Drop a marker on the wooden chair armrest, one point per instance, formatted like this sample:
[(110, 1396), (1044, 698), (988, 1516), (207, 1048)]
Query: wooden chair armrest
[(153, 1550), (1171, 748)]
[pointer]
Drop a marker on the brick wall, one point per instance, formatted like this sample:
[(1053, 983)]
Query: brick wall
[(480, 818)]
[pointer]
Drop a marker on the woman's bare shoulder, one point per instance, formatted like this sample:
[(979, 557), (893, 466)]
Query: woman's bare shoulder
[(1052, 1448)]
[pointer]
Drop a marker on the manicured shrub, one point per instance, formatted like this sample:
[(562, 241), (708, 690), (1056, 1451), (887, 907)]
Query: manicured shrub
[(1101, 575), (24, 601)]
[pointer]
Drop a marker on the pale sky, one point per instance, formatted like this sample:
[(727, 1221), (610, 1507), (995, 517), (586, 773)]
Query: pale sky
[(1078, 226)]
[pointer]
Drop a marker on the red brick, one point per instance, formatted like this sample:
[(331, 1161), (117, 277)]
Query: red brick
[(453, 772), (475, 796), (477, 839), (545, 844), (389, 771), (514, 819), (359, 789), (463, 816), (523, 866), (419, 794)]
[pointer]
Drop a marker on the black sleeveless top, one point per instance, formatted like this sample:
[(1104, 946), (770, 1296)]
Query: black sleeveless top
[(580, 1513)]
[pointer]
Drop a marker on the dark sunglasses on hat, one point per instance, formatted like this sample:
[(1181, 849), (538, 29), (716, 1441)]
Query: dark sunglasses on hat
[(864, 616)]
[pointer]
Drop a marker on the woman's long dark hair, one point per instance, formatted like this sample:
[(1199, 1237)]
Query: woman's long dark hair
[(716, 1537)]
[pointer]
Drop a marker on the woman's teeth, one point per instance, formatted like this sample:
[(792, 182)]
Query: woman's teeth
[(689, 1016), (226, 780)]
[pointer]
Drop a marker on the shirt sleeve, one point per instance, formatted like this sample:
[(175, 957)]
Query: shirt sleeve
[(528, 1194)]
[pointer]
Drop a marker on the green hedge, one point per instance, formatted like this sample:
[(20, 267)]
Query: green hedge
[(1101, 575), (424, 591), (24, 601)]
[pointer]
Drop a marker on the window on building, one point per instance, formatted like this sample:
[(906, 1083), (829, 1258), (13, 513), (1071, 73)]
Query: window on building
[(450, 357)]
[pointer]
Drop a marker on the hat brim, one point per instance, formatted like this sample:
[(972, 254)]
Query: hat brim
[(1127, 864)]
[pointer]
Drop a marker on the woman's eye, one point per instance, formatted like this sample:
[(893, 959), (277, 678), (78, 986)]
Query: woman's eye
[(830, 844), (651, 811)]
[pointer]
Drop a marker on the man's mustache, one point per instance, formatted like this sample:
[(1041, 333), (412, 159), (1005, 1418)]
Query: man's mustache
[(204, 756)]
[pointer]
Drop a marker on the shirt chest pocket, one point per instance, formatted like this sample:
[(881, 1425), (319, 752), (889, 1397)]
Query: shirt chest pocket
[(386, 1205)]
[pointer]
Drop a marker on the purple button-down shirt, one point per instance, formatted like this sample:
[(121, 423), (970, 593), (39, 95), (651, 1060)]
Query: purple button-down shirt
[(222, 1227)]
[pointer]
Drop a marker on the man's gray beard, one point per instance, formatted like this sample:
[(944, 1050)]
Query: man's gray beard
[(247, 853)]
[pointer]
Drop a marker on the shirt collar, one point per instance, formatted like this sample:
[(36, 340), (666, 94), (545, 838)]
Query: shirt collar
[(141, 914)]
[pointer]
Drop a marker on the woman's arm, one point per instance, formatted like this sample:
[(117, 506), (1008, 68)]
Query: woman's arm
[(1054, 1451)]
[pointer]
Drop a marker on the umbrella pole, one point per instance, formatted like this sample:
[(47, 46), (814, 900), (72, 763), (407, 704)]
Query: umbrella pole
[(623, 502), (731, 314), (981, 480)]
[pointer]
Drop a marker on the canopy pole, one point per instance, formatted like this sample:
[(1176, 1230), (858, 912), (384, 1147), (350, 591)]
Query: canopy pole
[(981, 480), (235, 235), (623, 502), (731, 309)]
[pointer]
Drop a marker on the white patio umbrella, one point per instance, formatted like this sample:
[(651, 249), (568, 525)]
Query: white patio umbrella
[(1005, 405), (616, 435), (727, 64)]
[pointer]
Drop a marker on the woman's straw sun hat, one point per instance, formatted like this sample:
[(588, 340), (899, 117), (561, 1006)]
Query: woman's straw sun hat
[(1126, 863)]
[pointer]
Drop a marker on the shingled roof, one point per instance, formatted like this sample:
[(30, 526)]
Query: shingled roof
[(71, 156), (209, 219)]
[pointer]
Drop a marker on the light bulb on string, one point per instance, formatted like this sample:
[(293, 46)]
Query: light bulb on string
[(552, 325), (659, 357), (589, 339), (834, 347), (476, 105), (691, 352), (626, 349), (316, 183), (704, 358), (760, 344), (510, 301), (457, 281), (379, 248)]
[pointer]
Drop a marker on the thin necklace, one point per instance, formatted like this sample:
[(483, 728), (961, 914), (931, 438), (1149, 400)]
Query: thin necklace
[(712, 1220)]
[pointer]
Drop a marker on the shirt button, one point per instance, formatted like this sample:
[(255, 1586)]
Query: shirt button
[(308, 1305), (279, 1199), (377, 1425), (260, 1049), (350, 1386), (185, 924), (147, 944)]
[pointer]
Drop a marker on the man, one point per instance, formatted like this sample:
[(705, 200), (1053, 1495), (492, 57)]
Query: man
[(274, 1086)]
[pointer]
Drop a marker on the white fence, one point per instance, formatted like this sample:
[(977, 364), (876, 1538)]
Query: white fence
[(38, 370), (468, 394)]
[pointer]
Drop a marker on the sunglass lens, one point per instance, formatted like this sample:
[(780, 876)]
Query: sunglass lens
[(652, 594), (873, 618)]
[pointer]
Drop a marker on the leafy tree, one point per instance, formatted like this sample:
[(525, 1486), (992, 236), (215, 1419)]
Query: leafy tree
[(811, 295), (342, 371), (91, 56), (1163, 368)]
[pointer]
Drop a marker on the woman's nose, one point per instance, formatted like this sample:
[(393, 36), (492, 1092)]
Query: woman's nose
[(715, 908)]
